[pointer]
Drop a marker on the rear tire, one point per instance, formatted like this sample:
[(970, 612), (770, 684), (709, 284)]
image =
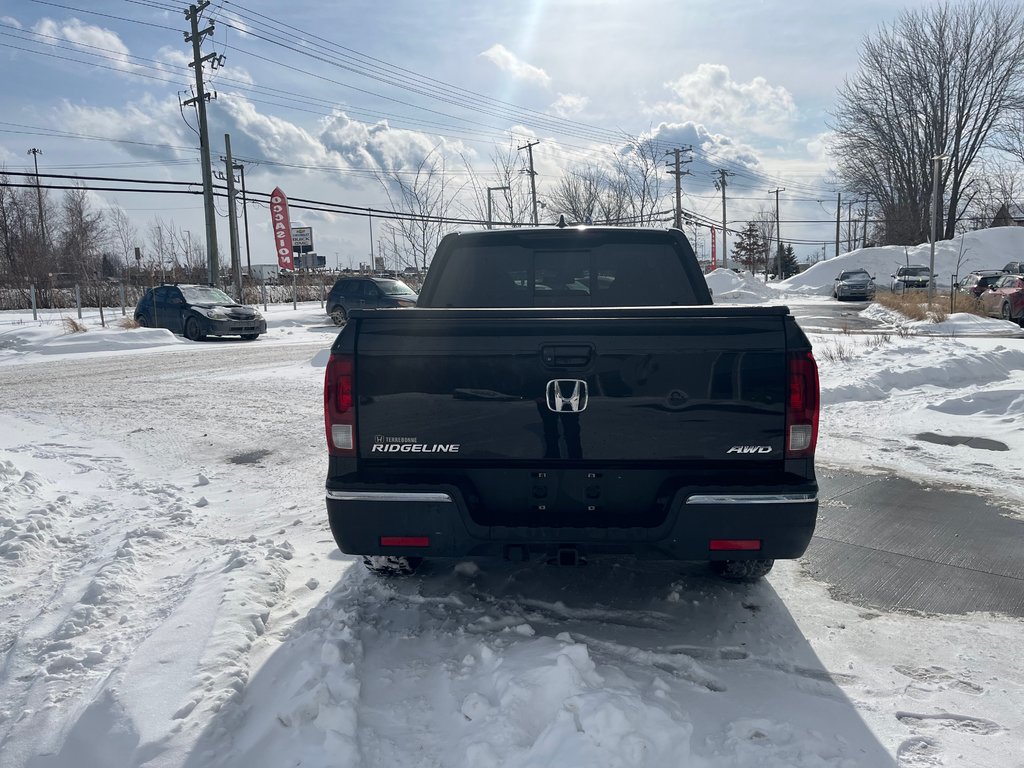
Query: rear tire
[(742, 570), (391, 565), (1005, 312), (143, 321)]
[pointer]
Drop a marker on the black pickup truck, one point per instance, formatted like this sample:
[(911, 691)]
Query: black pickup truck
[(562, 393)]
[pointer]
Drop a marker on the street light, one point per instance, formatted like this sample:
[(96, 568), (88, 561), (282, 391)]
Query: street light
[(490, 221), (936, 207)]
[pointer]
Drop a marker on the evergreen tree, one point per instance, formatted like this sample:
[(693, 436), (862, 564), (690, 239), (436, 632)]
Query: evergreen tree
[(749, 247), (789, 265)]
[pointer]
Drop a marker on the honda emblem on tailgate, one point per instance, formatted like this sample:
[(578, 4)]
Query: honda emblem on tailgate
[(567, 395)]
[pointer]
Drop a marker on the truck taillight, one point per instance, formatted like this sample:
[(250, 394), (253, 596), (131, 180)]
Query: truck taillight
[(802, 403), (339, 399)]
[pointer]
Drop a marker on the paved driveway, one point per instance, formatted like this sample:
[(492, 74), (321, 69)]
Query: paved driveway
[(889, 543)]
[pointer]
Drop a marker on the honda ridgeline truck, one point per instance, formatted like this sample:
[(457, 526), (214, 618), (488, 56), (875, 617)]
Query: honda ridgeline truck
[(566, 392)]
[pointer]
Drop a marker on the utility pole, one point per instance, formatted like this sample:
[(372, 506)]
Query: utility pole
[(864, 240), (721, 184), (373, 262), (240, 167), (839, 209), (490, 220), (778, 232), (245, 218), (679, 173), (533, 181), (236, 261), (193, 15), (851, 240), (39, 193), (936, 215)]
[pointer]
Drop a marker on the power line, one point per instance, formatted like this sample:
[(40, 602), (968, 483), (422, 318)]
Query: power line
[(104, 15), (755, 176)]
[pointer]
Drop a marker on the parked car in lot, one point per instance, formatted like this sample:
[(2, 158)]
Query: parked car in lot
[(910, 277), (977, 282), (367, 293), (1014, 267), (198, 311), (853, 284), (1005, 299)]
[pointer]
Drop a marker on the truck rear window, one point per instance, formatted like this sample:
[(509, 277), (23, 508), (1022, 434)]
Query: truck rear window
[(605, 275)]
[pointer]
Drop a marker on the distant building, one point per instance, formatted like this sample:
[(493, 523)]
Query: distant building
[(1008, 215)]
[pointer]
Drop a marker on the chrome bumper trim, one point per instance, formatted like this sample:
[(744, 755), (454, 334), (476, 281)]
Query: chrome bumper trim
[(762, 498), (415, 496)]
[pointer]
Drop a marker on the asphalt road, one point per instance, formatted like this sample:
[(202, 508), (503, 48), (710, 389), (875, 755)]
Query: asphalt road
[(834, 317), (888, 543)]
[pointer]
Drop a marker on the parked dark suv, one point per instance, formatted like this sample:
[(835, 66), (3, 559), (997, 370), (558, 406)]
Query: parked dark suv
[(367, 293), (1014, 268), (198, 311)]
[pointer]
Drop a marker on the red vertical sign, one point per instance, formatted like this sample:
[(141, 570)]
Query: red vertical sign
[(714, 254), (282, 229)]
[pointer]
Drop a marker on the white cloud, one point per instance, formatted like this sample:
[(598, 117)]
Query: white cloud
[(238, 24), (10, 21), (818, 147), (507, 61), (569, 104), (152, 125), (709, 95), (260, 135), (87, 37), (379, 146)]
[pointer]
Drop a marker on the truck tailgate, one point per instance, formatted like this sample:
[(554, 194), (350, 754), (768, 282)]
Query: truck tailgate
[(474, 386)]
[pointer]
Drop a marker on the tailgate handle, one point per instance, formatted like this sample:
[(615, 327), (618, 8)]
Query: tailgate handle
[(572, 356)]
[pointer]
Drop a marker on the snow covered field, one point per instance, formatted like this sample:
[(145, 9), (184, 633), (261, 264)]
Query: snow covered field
[(170, 594)]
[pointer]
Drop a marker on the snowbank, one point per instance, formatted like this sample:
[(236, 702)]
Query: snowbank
[(983, 249)]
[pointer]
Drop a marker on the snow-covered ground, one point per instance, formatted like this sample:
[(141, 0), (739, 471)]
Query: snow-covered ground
[(170, 594)]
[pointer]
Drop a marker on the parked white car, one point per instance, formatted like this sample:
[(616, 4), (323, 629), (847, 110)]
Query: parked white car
[(911, 277)]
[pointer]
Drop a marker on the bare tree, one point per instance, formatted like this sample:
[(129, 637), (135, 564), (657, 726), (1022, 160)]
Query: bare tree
[(638, 166), (764, 224), (172, 253), (1010, 137), (23, 253), (81, 235), (188, 255), (938, 81), (123, 237), (997, 187), (514, 204), (422, 197), (577, 194), (159, 250)]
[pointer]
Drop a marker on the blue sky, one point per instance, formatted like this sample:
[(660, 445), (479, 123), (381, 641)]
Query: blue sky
[(96, 86)]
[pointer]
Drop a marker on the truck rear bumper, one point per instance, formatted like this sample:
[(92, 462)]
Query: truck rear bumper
[(707, 525)]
